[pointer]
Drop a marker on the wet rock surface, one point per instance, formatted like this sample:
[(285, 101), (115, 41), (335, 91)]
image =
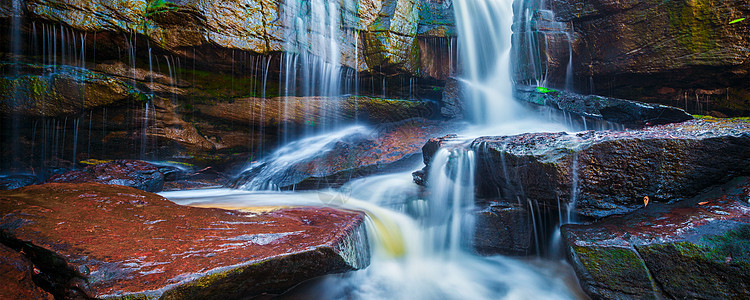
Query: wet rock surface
[(696, 248), (10, 182), (391, 146), (94, 240), (44, 92), (679, 53), (132, 173), (503, 228), (609, 172), (631, 114), (317, 111), (16, 277)]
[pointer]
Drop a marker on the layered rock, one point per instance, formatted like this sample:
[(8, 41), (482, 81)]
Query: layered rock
[(132, 173), (608, 172), (211, 29), (686, 53), (317, 111), (697, 248), (628, 113), (100, 241), (349, 154), (63, 91)]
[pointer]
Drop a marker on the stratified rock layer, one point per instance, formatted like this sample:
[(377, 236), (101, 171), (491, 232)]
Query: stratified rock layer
[(103, 241), (364, 152), (609, 172), (628, 113), (696, 249), (681, 53)]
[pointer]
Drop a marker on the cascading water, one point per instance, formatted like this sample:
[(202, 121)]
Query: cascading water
[(316, 34), (421, 246)]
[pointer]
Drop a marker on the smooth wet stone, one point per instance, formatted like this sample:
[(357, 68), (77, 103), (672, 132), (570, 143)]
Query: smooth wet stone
[(393, 146), (694, 249), (132, 173), (16, 273), (614, 169), (105, 241), (632, 114)]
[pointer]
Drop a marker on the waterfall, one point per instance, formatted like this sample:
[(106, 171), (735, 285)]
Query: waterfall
[(484, 41), (315, 35)]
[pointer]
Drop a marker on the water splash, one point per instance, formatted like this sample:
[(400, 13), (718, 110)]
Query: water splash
[(273, 171)]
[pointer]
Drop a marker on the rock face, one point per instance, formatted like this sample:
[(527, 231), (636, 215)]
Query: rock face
[(504, 229), (610, 172), (686, 53), (697, 248), (318, 111), (631, 114), (359, 152), (93, 240), (132, 173), (16, 280), (63, 92)]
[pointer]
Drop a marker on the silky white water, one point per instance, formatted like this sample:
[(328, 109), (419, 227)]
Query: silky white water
[(420, 240), (416, 244)]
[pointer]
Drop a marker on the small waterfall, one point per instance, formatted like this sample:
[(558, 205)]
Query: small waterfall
[(282, 165), (484, 33), (569, 67), (451, 186)]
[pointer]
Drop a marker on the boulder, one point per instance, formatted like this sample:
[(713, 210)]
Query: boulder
[(631, 114), (696, 249), (102, 241), (16, 277), (602, 173), (332, 160), (132, 173)]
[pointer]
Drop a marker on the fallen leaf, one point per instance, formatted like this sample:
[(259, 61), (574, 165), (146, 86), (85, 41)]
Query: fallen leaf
[(703, 203), (645, 201)]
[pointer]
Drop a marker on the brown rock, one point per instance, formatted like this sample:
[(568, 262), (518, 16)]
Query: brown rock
[(609, 172), (16, 273), (387, 147), (113, 241), (695, 249)]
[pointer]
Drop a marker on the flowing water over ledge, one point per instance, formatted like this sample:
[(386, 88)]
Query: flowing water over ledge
[(418, 245)]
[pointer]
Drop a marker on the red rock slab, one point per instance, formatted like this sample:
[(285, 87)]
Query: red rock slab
[(16, 273), (116, 241)]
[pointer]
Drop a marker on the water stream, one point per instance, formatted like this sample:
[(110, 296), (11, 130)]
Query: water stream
[(420, 239)]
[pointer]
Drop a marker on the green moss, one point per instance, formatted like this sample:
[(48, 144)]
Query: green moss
[(695, 21), (159, 6)]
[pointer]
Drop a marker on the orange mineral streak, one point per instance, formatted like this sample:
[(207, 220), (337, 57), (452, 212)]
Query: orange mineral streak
[(134, 241)]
